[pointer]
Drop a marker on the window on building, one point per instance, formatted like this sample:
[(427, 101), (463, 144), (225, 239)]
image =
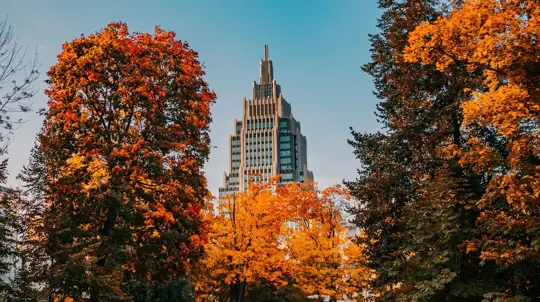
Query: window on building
[(285, 153), (285, 138), (287, 176), (285, 161)]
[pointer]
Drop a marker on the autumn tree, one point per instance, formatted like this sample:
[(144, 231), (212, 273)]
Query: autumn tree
[(498, 41), (125, 137), (417, 206), (245, 245), (282, 242), (324, 260)]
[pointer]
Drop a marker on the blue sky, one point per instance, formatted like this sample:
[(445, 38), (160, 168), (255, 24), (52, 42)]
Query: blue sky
[(317, 47)]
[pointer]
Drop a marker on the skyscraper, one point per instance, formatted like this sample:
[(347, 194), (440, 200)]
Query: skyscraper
[(267, 141)]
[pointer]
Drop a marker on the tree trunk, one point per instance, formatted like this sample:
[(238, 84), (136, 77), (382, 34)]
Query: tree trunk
[(102, 252), (238, 292), (94, 294), (234, 292), (243, 291)]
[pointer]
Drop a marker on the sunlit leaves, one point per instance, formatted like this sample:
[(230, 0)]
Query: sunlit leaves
[(244, 246), (324, 259), (497, 43), (289, 235), (128, 126)]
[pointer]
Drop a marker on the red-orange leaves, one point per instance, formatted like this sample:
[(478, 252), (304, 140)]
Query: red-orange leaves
[(497, 42), (135, 107)]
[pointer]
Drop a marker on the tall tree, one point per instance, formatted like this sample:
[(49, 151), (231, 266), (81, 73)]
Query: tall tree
[(498, 40), (417, 206), (126, 136)]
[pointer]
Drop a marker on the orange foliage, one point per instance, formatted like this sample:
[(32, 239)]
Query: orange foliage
[(252, 242), (323, 258), (497, 40), (244, 245), (126, 134)]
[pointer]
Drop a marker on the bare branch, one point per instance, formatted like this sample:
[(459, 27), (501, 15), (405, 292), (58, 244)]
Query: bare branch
[(17, 78)]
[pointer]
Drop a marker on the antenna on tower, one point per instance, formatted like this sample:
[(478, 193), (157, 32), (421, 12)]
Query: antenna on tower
[(265, 52)]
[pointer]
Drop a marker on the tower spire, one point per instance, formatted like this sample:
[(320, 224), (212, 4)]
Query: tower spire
[(267, 72)]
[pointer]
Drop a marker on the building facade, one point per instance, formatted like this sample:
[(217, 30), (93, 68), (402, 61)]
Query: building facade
[(267, 141)]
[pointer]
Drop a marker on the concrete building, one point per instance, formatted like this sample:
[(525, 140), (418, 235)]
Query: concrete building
[(267, 141)]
